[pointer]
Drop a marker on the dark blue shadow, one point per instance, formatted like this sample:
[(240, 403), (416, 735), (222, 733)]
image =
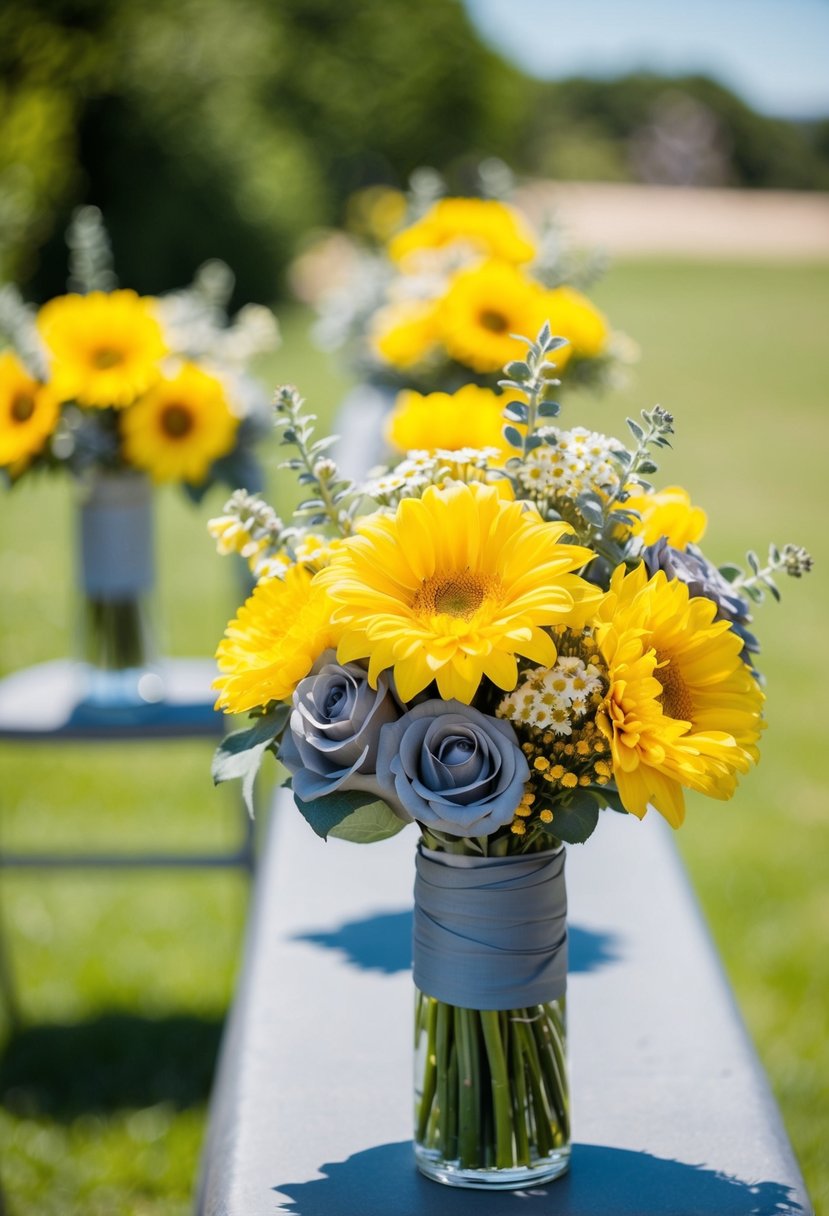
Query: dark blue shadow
[(589, 950), (602, 1181), (376, 943), (384, 943)]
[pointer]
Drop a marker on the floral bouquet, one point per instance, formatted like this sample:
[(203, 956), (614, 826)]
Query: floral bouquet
[(496, 650), (431, 290), (122, 390)]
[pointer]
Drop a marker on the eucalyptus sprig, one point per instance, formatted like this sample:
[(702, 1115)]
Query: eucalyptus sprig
[(333, 496), (793, 560), (533, 379)]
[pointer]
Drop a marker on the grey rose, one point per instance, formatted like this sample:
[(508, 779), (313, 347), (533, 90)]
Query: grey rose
[(452, 768), (334, 730), (692, 567)]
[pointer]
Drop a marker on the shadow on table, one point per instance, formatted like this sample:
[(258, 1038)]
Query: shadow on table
[(110, 1062), (611, 1181), (383, 942)]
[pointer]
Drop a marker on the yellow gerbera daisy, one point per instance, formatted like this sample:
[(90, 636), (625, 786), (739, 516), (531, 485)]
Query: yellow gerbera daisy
[(667, 513), (405, 334), (180, 427), (470, 418), (683, 709), (482, 307), (453, 587), (28, 414), (274, 641), (572, 316), (490, 228), (104, 347)]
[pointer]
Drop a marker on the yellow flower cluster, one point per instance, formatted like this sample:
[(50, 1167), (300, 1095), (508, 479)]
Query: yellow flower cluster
[(470, 418), (485, 298), (106, 350)]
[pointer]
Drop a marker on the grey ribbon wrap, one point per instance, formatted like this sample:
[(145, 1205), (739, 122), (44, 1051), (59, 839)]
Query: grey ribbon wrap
[(116, 537), (490, 932)]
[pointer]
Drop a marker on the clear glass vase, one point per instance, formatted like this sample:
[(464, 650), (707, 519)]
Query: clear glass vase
[(115, 583), (491, 1094)]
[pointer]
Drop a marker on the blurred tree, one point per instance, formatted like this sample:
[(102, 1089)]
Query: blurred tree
[(216, 128)]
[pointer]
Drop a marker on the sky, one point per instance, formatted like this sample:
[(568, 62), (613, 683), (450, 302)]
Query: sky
[(773, 53)]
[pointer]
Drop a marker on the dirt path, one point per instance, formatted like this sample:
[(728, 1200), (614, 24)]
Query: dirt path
[(636, 220)]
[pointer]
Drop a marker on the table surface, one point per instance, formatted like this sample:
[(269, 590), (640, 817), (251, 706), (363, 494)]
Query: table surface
[(45, 702), (312, 1103)]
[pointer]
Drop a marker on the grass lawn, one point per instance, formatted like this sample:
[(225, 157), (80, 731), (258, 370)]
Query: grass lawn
[(124, 979)]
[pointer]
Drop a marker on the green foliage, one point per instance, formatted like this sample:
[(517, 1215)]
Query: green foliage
[(240, 755), (351, 815)]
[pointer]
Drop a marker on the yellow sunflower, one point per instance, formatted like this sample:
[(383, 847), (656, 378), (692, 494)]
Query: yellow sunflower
[(452, 587), (490, 228), (667, 513), (104, 347), (273, 643), (405, 334), (180, 427), (572, 316), (683, 709), (470, 418), (29, 413), (482, 307)]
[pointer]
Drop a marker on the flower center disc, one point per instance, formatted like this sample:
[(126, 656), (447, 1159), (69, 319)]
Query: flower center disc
[(676, 699), (176, 421), (495, 322), (459, 595), (23, 407), (106, 357)]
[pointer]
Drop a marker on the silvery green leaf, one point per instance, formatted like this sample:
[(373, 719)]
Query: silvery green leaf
[(753, 561), (513, 437), (534, 441), (635, 429), (591, 508), (730, 572), (548, 409), (240, 754), (647, 466), (518, 369), (517, 411)]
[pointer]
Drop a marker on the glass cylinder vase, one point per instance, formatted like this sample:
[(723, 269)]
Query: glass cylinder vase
[(490, 971), (491, 1094), (115, 582)]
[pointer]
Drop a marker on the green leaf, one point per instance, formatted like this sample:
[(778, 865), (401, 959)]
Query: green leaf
[(518, 370), (730, 573), (517, 411), (635, 429), (376, 821), (576, 822), (240, 754), (513, 437), (548, 409), (591, 508), (753, 561)]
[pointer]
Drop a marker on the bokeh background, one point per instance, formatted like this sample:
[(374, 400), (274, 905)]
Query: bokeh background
[(205, 128)]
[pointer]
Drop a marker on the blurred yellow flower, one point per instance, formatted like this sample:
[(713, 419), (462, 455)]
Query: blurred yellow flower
[(667, 513), (376, 212), (572, 316), (485, 226), (405, 334), (470, 418), (104, 348), (29, 413), (683, 709), (180, 427), (483, 307), (273, 642), (452, 588)]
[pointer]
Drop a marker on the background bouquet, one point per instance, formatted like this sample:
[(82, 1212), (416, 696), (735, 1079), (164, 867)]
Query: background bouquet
[(496, 649), (124, 391), (102, 379)]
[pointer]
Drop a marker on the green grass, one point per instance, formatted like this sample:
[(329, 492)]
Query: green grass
[(124, 978)]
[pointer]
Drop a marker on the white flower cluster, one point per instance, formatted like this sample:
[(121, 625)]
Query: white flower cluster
[(553, 698), (569, 463), (423, 469)]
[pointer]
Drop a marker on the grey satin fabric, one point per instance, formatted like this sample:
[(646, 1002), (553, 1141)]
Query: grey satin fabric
[(116, 539), (490, 932)]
